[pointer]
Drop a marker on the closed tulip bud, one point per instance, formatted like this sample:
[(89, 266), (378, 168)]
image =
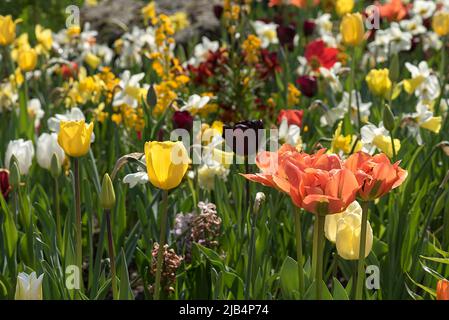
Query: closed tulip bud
[(379, 82), (107, 195), (14, 175), (394, 68), (388, 118), (55, 166), (260, 199), (167, 163), (23, 153), (151, 97), (27, 59), (343, 7), (352, 29), (29, 286), (443, 290), (75, 137), (46, 147), (440, 23), (348, 236), (7, 30), (92, 60)]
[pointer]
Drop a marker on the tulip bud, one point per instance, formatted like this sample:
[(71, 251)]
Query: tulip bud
[(394, 68), (348, 237), (107, 195), (260, 199), (151, 97), (388, 118), (14, 174), (55, 167)]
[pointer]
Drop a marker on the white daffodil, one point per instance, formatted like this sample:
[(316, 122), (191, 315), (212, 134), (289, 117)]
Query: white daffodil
[(431, 41), (332, 115), (202, 50), (290, 134), (414, 25), (423, 8), (131, 92), (132, 44), (324, 26), (139, 177), (266, 32), (422, 118), (23, 150), (29, 286), (390, 41), (378, 138), (35, 111), (195, 103), (47, 145), (423, 82)]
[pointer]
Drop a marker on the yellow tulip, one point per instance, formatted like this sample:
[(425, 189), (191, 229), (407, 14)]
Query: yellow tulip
[(379, 82), (167, 163), (352, 29), (440, 23), (7, 30), (343, 7), (75, 137), (331, 223), (27, 59), (348, 236), (29, 286), (44, 37)]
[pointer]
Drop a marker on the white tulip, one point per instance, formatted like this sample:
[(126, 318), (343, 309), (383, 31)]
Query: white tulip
[(24, 153), (47, 145), (29, 287)]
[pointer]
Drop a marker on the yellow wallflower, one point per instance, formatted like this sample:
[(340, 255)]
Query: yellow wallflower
[(352, 29), (343, 7), (74, 137), (179, 20), (251, 48), (293, 95), (167, 163), (379, 82), (149, 11)]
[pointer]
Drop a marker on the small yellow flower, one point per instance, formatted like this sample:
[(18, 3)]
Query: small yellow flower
[(27, 59), (440, 23), (92, 60), (179, 20), (7, 30), (167, 163), (343, 7), (73, 31), (75, 137), (379, 82), (343, 143), (293, 95), (149, 11), (352, 29)]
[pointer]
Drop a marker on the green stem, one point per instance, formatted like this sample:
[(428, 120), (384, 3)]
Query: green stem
[(163, 233), (299, 250), (392, 145), (58, 214), (319, 259), (314, 247), (78, 222), (361, 262), (111, 254), (251, 255)]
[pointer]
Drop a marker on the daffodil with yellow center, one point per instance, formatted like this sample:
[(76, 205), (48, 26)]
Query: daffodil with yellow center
[(75, 137)]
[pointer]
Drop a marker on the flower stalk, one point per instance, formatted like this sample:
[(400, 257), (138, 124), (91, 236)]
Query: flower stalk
[(163, 233), (298, 232), (362, 247)]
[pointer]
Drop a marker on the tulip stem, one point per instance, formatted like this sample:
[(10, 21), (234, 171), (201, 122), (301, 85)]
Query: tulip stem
[(251, 253), (362, 246), (111, 254), (299, 250), (160, 252), (78, 223), (57, 214), (319, 258)]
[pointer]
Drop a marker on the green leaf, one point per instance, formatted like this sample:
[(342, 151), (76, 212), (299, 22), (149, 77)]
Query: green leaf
[(339, 292)]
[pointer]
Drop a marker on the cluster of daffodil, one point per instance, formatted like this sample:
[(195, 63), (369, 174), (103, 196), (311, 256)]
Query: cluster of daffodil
[(108, 150)]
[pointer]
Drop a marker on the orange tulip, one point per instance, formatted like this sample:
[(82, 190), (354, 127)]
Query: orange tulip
[(395, 10), (296, 3), (272, 173), (320, 184), (443, 290), (376, 175)]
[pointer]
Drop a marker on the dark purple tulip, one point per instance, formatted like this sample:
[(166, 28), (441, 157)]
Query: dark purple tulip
[(182, 120), (218, 11), (4, 182), (240, 139), (308, 27), (307, 85), (286, 34)]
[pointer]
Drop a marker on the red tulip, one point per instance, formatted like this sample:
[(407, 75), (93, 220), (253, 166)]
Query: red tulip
[(183, 120), (293, 116), (376, 175), (4, 182), (319, 55), (443, 290)]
